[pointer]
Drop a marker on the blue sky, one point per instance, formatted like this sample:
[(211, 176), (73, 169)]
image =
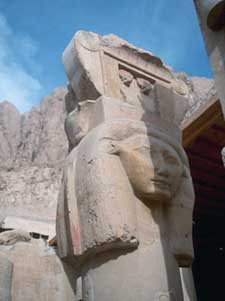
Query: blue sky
[(34, 33)]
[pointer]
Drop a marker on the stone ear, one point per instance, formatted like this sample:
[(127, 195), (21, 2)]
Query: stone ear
[(115, 148)]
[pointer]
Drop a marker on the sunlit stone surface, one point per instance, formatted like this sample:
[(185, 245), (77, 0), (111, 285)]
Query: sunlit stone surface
[(124, 218)]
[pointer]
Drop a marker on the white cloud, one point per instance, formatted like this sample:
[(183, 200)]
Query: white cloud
[(17, 84)]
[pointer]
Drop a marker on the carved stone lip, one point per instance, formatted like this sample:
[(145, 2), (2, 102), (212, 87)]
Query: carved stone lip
[(161, 182)]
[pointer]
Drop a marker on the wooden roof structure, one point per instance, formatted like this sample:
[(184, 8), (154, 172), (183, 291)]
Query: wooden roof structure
[(203, 140)]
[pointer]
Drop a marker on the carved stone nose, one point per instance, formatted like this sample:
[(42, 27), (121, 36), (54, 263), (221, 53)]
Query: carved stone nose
[(163, 172), (161, 168)]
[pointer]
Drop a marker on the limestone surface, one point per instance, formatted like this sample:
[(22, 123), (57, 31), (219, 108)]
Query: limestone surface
[(30, 175), (32, 149), (31, 270), (13, 236), (127, 193)]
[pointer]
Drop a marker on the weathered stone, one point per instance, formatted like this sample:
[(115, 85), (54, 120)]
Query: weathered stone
[(30, 192), (10, 135), (116, 62), (188, 284), (13, 236), (127, 193), (200, 91), (38, 273), (33, 147), (32, 226), (30, 176), (6, 268)]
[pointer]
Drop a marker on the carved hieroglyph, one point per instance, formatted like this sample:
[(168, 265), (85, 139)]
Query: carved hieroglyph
[(125, 209)]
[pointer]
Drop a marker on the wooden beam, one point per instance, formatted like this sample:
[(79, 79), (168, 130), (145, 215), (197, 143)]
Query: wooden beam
[(219, 128), (207, 155), (207, 149), (221, 122), (203, 119), (207, 178), (207, 165), (216, 134), (209, 142)]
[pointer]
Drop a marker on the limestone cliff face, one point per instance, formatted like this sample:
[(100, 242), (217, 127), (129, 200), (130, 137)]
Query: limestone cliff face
[(33, 146), (32, 149), (200, 89)]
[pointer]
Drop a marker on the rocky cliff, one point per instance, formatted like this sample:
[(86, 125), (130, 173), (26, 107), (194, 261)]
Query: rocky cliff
[(32, 149)]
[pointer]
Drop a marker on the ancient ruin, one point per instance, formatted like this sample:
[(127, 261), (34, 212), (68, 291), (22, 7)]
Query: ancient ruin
[(124, 218)]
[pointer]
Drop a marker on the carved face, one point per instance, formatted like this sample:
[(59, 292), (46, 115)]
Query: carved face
[(153, 167), (165, 170)]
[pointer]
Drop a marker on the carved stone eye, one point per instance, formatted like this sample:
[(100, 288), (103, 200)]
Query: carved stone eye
[(126, 77), (144, 85)]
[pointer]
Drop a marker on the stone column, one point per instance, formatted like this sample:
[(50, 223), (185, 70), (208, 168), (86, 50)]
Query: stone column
[(124, 218), (188, 284), (211, 14), (6, 268)]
